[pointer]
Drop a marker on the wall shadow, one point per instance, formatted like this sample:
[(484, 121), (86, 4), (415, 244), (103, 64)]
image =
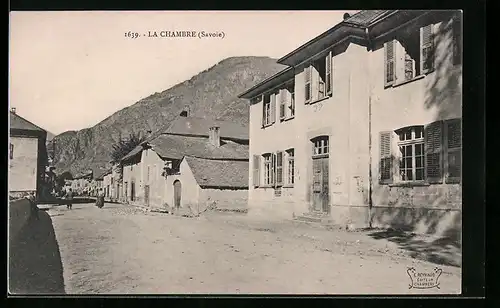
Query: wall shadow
[(35, 265), (443, 250)]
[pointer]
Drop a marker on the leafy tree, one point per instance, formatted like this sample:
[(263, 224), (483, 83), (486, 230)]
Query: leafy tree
[(125, 145)]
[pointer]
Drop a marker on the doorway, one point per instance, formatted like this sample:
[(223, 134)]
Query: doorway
[(320, 180), (177, 194), (146, 194)]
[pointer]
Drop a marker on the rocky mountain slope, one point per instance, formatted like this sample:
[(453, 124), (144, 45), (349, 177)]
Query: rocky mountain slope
[(210, 94)]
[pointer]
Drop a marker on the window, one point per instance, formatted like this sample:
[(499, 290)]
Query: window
[(290, 156), (147, 174), (11, 151), (268, 169), (292, 102), (424, 153), (269, 109), (411, 147), (410, 55), (320, 146), (319, 78)]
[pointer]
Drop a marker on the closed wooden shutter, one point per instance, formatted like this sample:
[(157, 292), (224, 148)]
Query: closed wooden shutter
[(453, 135), (273, 108), (283, 100), (263, 112), (386, 159), (256, 170), (457, 40), (433, 151), (279, 168), (307, 80), (390, 63), (272, 175), (426, 49), (328, 74)]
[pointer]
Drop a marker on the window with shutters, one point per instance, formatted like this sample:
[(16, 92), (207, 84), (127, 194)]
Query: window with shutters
[(307, 84), (283, 101), (268, 169), (320, 146), (411, 148), (292, 102), (433, 135), (319, 78), (290, 158), (453, 157)]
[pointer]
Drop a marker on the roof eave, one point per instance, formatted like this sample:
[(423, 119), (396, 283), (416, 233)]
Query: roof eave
[(265, 84)]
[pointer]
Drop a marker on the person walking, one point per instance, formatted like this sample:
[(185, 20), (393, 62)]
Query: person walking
[(69, 198), (100, 199)]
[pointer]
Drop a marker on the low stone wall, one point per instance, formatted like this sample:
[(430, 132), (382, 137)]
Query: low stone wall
[(20, 212)]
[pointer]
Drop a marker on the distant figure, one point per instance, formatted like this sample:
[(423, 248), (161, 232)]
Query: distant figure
[(100, 199), (69, 197), (34, 208)]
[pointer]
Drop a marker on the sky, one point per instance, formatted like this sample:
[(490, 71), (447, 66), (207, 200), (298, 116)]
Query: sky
[(71, 70)]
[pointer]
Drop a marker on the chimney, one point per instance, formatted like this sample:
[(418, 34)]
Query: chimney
[(13, 110), (214, 135), (346, 15)]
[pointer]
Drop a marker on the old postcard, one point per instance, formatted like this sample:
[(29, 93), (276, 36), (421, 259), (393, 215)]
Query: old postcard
[(235, 152)]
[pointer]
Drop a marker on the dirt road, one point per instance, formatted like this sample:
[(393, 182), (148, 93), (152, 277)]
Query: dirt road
[(123, 250)]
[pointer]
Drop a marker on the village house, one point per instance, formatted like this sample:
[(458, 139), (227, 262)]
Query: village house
[(364, 126), (96, 184), (193, 163), (107, 184), (80, 184), (27, 157)]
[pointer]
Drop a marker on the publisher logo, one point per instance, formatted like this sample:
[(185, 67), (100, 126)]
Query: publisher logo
[(424, 280)]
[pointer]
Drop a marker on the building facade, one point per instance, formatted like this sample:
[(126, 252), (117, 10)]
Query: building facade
[(27, 157), (363, 127), (165, 171)]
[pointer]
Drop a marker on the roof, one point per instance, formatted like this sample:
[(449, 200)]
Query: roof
[(200, 126), (345, 28), (273, 81), (138, 149), (217, 173), (18, 122), (176, 147), (100, 173)]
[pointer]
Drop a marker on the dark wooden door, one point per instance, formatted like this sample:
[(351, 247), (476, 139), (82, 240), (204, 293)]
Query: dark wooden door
[(177, 194), (146, 194), (132, 191), (320, 185)]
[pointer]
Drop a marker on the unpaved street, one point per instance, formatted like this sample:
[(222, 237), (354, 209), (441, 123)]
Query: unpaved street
[(122, 250)]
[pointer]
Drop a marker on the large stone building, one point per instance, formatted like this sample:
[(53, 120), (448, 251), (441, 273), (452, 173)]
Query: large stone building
[(27, 157), (364, 127)]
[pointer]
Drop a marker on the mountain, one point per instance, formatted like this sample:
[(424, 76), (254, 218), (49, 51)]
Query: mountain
[(210, 94)]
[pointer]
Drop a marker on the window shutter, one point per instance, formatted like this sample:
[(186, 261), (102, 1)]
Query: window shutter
[(453, 158), (328, 74), (386, 159), (273, 168), (457, 40), (279, 168), (433, 152), (256, 170), (283, 99), (308, 89), (263, 113), (273, 108), (390, 63), (426, 49)]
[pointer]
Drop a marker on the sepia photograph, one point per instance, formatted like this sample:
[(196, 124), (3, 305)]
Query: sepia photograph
[(235, 152)]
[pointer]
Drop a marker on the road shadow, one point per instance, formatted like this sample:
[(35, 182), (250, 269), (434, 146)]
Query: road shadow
[(445, 250), (35, 265)]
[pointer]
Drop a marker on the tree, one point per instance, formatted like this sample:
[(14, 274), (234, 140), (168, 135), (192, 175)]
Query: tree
[(125, 145)]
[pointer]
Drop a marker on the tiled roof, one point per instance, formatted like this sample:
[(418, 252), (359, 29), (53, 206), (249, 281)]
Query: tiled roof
[(219, 173), (135, 151), (176, 147), (99, 174), (200, 127), (366, 17), (18, 122)]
